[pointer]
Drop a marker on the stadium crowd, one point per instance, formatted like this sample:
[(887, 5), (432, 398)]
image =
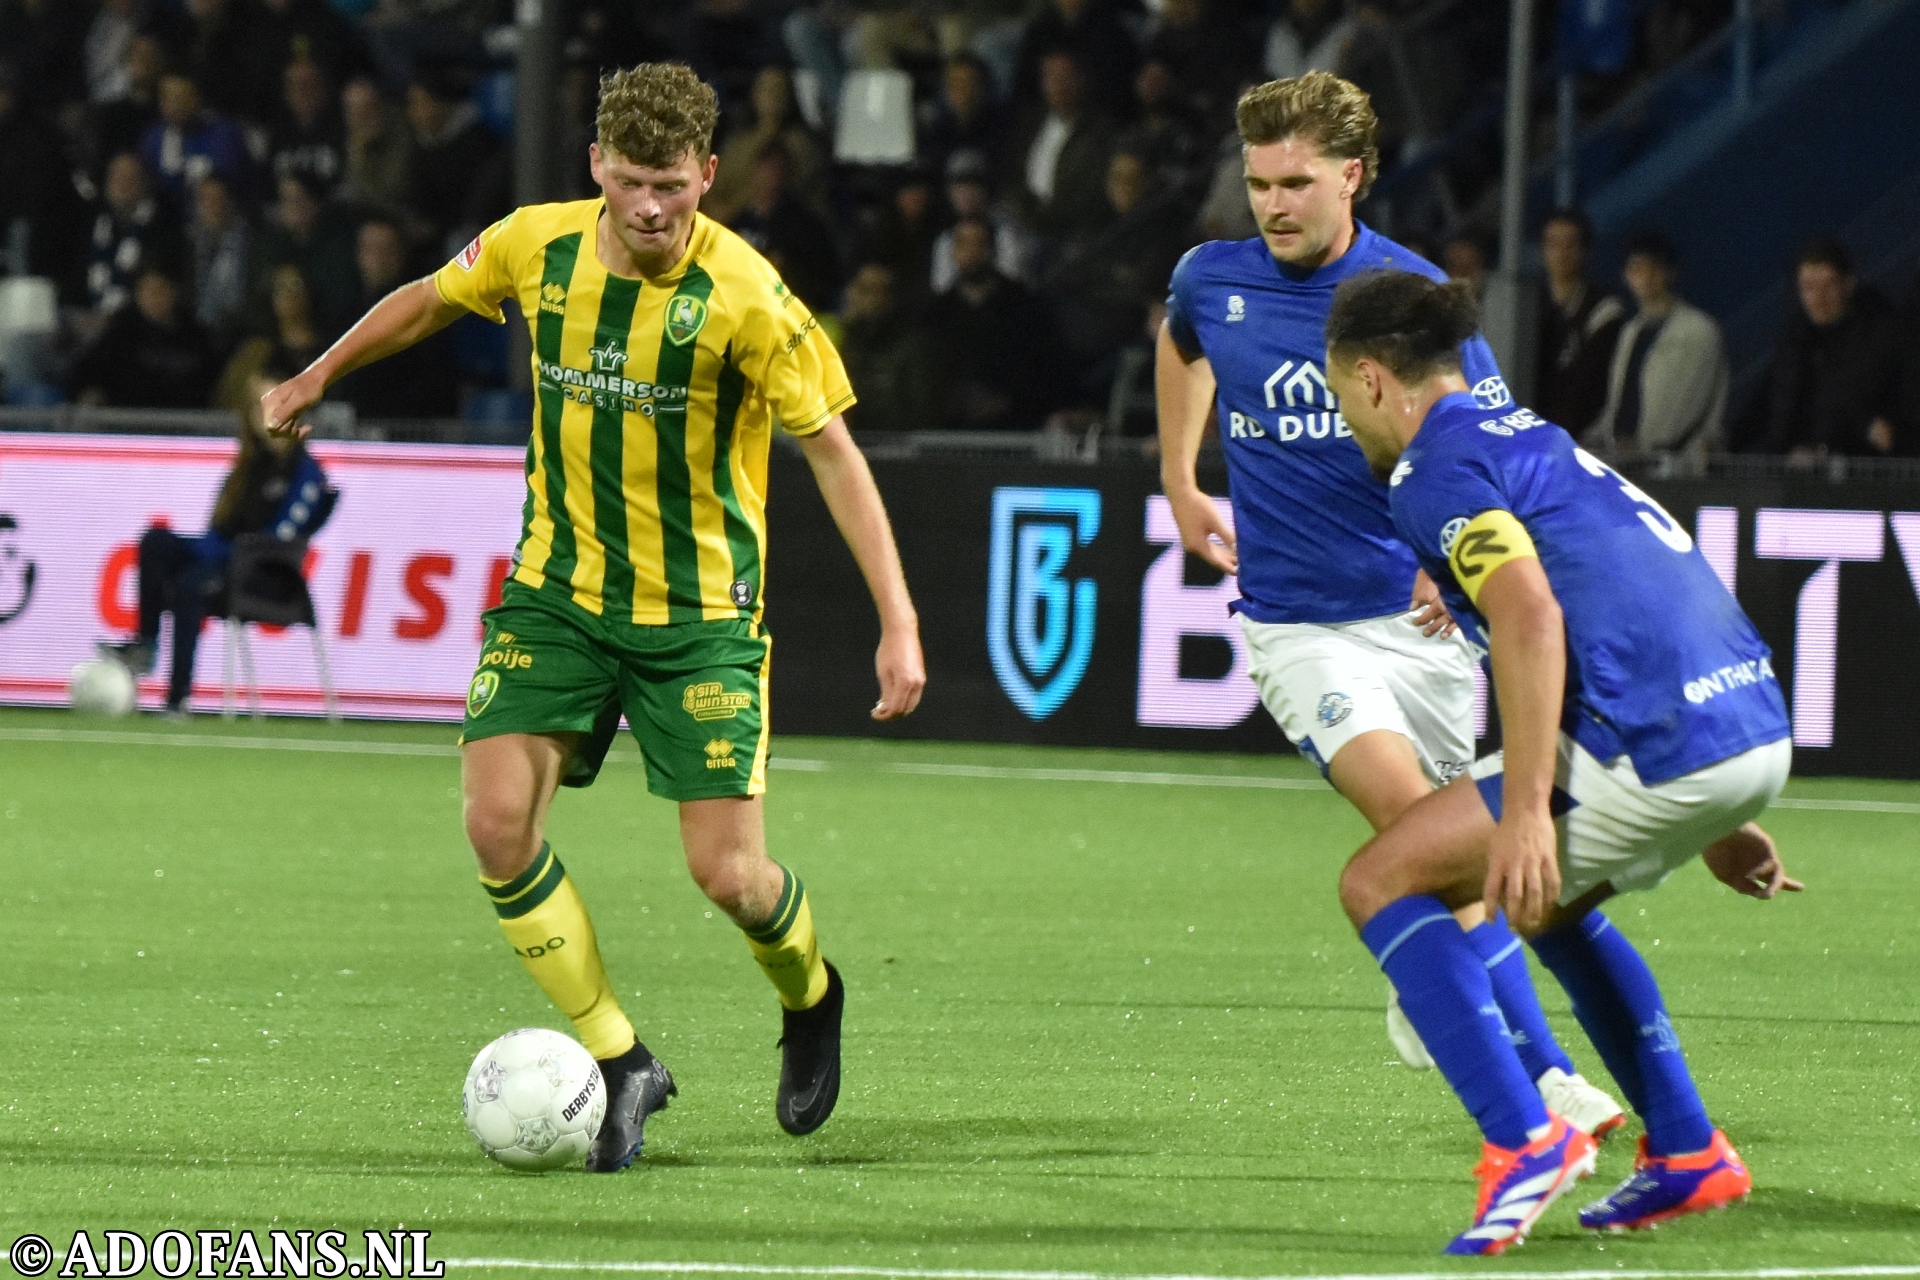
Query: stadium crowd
[(213, 186)]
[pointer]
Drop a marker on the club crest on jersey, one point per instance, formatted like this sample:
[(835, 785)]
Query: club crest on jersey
[(1333, 708), (1236, 308), (686, 316), (1492, 393), (469, 255), (1040, 622)]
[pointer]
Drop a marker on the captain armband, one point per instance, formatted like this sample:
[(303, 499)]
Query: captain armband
[(1486, 542)]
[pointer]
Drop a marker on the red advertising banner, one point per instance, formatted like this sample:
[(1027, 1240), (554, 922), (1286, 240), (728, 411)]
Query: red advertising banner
[(415, 551)]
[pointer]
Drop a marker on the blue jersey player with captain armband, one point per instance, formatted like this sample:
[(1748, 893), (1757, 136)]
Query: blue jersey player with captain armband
[(1643, 726), (1380, 697)]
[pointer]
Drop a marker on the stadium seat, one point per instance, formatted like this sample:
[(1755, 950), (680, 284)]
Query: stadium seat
[(267, 585), (876, 118)]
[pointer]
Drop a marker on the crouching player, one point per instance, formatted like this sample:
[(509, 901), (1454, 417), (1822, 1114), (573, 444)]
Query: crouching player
[(1642, 725)]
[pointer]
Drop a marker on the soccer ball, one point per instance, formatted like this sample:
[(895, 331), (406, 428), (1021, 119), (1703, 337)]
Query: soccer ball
[(534, 1100), (101, 687)]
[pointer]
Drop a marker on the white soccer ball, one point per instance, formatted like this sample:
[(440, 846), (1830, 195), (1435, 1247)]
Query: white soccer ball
[(101, 687), (535, 1099)]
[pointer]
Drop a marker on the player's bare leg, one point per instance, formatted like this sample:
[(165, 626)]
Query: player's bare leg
[(726, 846), (509, 783)]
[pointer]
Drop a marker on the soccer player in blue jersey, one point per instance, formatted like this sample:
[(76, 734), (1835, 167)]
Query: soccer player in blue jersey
[(1378, 696), (1643, 726)]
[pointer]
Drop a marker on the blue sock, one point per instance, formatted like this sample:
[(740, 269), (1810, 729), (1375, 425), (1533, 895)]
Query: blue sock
[(1506, 962), (1446, 993), (1619, 1005)]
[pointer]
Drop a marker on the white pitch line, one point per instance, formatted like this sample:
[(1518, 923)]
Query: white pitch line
[(916, 1273), (374, 747)]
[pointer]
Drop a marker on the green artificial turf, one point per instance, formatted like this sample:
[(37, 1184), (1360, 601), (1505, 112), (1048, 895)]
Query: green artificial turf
[(1092, 1025)]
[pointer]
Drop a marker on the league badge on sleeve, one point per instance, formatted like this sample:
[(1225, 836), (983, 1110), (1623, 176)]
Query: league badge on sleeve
[(469, 255)]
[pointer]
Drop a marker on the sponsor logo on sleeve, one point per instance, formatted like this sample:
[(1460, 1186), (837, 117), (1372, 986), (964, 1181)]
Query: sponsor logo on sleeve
[(1492, 393)]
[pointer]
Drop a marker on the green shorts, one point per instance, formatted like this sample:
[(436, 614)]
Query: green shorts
[(694, 693)]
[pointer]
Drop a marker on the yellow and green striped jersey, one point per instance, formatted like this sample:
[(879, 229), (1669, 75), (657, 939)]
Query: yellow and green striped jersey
[(654, 407)]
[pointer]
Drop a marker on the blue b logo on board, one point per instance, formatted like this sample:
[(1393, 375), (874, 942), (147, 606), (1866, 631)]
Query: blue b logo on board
[(1039, 621)]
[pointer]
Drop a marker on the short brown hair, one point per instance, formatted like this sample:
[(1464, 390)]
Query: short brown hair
[(1335, 113), (655, 113)]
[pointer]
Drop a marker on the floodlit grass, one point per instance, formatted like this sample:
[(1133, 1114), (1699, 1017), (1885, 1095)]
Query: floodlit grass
[(1092, 1025)]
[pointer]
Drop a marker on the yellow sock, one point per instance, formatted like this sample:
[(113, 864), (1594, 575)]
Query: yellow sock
[(543, 917), (788, 951)]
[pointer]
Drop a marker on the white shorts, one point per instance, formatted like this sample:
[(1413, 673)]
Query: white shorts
[(1327, 683), (1616, 829)]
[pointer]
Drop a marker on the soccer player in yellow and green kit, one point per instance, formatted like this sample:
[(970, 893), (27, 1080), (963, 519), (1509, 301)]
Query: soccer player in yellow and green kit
[(665, 351)]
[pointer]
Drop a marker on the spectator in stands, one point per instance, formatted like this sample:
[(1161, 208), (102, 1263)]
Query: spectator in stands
[(130, 229), (307, 139), (887, 356), (189, 142), (969, 196), (419, 382), (110, 37), (778, 224), (222, 50), (34, 187), (776, 122), (222, 246), (377, 161), (1226, 213), (1833, 385), (965, 116), (1312, 35), (904, 236), (151, 355), (275, 487), (1464, 257), (993, 339), (44, 40), (119, 123), (1165, 132), (1091, 34), (461, 178), (1105, 278), (1579, 324), (305, 235), (292, 338), (1060, 152), (1667, 389), (308, 31), (1907, 431), (1207, 56)]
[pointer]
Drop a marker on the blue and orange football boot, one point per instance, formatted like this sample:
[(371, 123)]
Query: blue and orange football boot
[(1664, 1187), (1517, 1186)]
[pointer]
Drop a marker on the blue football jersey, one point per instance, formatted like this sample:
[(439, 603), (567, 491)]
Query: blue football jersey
[(1315, 535), (1663, 666)]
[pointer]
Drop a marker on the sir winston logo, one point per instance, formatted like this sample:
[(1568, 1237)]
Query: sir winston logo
[(1040, 622)]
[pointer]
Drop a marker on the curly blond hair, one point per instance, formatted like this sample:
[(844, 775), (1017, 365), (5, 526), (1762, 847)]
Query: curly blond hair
[(1319, 105), (652, 115)]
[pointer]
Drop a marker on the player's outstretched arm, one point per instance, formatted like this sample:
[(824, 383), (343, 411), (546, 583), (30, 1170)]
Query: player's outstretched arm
[(1527, 644), (396, 322), (1183, 391), (845, 482)]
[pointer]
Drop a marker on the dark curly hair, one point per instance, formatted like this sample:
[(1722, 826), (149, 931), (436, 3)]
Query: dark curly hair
[(1412, 325)]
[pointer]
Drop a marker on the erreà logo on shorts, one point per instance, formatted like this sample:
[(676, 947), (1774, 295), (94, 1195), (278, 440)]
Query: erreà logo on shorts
[(720, 755), (710, 700)]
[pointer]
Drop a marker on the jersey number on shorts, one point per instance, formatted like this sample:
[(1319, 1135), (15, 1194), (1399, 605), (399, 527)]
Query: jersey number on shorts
[(1652, 514)]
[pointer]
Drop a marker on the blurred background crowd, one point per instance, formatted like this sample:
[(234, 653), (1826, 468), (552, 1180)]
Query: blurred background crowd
[(984, 198)]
